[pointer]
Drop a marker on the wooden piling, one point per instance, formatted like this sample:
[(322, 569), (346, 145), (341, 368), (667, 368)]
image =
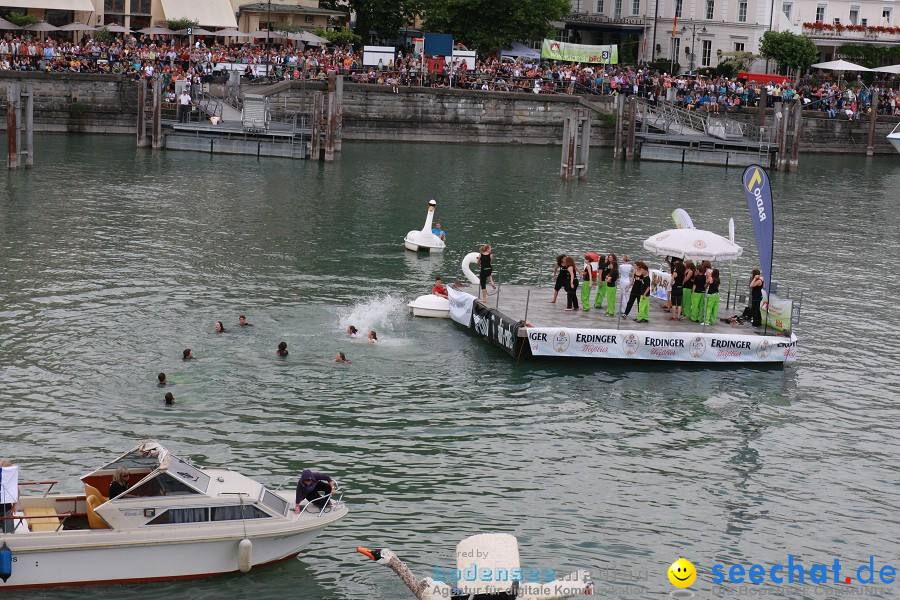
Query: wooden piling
[(781, 124), (761, 110), (330, 118), (316, 125), (584, 149), (157, 114), (794, 163), (13, 124), (618, 152), (873, 121), (567, 164), (142, 140), (338, 112), (29, 124), (632, 124)]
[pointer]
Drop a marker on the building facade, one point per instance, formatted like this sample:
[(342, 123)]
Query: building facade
[(693, 33), (210, 14), (698, 33)]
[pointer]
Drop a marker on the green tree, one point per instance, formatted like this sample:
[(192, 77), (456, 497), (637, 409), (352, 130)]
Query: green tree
[(22, 20), (488, 25), (385, 17), (341, 37), (788, 50), (179, 24)]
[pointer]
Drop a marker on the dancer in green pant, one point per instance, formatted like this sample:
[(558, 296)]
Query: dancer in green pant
[(602, 272), (687, 285), (613, 264), (698, 295), (643, 315), (589, 275), (712, 297)]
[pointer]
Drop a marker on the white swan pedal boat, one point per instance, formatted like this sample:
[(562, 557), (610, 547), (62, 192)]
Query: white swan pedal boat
[(183, 522), (894, 138), (424, 239), (438, 307)]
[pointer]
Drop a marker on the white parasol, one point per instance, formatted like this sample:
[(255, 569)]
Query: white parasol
[(693, 244), (840, 65), (895, 69)]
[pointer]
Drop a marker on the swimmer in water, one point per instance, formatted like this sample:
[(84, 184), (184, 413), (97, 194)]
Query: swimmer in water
[(162, 379), (242, 321), (187, 354), (282, 349), (170, 399), (219, 327), (353, 332), (341, 358), (373, 337)]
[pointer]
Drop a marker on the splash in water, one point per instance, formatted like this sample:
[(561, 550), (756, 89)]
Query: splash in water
[(378, 313)]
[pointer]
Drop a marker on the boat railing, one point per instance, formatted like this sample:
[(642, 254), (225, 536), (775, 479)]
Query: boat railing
[(48, 483), (331, 502)]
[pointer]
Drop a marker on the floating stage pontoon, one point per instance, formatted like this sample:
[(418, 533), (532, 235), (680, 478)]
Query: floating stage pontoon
[(551, 332)]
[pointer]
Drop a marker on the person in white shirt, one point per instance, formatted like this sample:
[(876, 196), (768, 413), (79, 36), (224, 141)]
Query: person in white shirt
[(184, 106)]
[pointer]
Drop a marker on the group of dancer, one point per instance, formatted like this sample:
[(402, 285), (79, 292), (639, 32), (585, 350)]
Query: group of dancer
[(693, 291)]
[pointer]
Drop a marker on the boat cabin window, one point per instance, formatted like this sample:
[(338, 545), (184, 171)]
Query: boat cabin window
[(166, 485), (205, 514), (275, 502)]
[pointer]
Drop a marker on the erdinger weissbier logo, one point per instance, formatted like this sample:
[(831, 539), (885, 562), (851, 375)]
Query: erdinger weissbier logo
[(697, 347), (630, 344), (764, 349), (561, 341)]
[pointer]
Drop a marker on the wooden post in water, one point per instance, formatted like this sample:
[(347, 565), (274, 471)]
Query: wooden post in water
[(330, 118), (29, 124), (794, 163), (338, 112), (873, 121), (620, 126), (13, 124), (761, 111), (157, 114), (584, 149), (142, 140), (316, 125), (632, 124), (782, 111), (570, 131)]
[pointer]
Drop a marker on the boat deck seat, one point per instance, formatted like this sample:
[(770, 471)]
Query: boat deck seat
[(94, 520), (48, 520)]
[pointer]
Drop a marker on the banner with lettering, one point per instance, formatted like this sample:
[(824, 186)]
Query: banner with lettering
[(496, 328), (759, 201), (460, 306), (644, 345), (583, 53), (776, 311)]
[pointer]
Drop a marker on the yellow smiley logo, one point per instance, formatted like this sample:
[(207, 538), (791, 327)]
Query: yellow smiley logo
[(682, 573)]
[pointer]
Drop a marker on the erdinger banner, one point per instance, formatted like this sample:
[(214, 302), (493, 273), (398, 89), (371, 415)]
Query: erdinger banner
[(496, 327), (583, 53), (646, 345), (759, 200)]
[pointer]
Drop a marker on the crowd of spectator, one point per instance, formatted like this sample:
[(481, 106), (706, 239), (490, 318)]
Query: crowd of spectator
[(176, 58)]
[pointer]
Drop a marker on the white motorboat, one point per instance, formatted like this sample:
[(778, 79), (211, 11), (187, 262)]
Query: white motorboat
[(430, 305), (424, 239), (176, 521), (894, 138)]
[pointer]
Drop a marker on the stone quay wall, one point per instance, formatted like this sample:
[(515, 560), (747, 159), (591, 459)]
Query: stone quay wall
[(87, 103), (77, 102)]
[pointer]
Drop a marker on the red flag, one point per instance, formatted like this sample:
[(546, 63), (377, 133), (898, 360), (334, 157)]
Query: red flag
[(674, 25)]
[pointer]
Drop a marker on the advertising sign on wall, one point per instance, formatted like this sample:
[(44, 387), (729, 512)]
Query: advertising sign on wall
[(583, 53)]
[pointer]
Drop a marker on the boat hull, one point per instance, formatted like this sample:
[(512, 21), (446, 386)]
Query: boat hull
[(430, 305), (121, 563), (894, 139)]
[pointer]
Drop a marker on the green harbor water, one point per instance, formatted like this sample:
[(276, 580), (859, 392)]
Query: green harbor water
[(112, 260)]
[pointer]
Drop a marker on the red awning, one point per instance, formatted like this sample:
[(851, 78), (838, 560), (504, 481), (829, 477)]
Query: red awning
[(764, 77)]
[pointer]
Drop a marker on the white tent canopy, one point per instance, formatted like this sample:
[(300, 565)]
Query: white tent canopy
[(208, 13), (522, 51), (840, 65), (895, 69), (693, 244)]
